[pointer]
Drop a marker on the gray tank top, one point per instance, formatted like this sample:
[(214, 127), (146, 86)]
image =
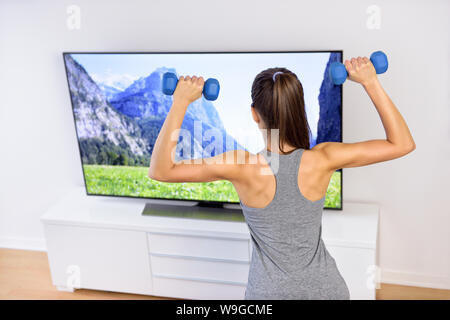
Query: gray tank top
[(289, 259)]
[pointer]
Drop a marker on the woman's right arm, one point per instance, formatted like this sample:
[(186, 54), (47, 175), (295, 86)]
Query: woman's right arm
[(398, 142)]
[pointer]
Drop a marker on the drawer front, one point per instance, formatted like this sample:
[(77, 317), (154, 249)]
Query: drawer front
[(196, 269), (203, 247), (187, 289), (105, 259)]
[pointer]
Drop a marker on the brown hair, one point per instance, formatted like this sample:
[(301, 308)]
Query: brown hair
[(280, 103)]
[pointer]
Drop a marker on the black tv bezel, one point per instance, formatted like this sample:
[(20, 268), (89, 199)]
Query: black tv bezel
[(200, 202)]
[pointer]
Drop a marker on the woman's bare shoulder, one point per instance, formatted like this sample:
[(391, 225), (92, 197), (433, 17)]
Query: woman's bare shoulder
[(315, 158), (243, 165), (240, 157)]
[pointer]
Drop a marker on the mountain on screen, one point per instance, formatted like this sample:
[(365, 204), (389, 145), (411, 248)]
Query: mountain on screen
[(121, 127), (109, 91), (98, 123), (145, 102), (329, 125)]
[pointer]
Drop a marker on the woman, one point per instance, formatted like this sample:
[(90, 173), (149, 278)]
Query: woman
[(282, 189)]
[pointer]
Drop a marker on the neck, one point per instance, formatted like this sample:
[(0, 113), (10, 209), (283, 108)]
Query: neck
[(275, 147)]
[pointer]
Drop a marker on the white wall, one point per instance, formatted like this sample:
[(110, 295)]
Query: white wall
[(39, 159)]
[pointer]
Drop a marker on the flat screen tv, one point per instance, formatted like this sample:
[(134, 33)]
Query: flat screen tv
[(119, 108)]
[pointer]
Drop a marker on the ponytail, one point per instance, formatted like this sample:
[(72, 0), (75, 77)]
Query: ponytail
[(277, 96)]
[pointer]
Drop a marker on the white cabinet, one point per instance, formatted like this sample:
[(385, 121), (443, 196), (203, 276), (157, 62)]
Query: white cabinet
[(106, 244)]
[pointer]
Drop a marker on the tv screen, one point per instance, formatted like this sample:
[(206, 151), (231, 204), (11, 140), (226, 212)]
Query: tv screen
[(119, 108)]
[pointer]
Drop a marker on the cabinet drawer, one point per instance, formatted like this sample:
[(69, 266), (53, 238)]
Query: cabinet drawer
[(195, 246), (200, 269), (188, 289)]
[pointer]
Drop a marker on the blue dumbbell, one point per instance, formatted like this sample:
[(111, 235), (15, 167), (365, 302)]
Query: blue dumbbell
[(211, 87), (338, 73)]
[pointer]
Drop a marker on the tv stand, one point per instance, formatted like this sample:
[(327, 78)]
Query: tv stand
[(209, 204), (200, 211), (106, 243)]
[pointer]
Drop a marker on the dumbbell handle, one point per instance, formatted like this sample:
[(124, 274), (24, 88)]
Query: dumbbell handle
[(211, 87), (338, 72)]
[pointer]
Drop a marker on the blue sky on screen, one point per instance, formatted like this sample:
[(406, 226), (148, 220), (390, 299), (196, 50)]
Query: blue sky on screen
[(235, 73)]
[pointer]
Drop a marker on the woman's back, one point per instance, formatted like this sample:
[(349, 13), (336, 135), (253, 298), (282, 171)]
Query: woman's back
[(289, 259)]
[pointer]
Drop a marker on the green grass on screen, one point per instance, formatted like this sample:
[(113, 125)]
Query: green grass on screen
[(134, 182)]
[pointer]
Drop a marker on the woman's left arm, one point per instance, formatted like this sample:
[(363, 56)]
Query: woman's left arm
[(162, 163)]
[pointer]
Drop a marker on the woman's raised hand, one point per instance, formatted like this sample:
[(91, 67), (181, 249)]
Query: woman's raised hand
[(188, 89), (360, 70)]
